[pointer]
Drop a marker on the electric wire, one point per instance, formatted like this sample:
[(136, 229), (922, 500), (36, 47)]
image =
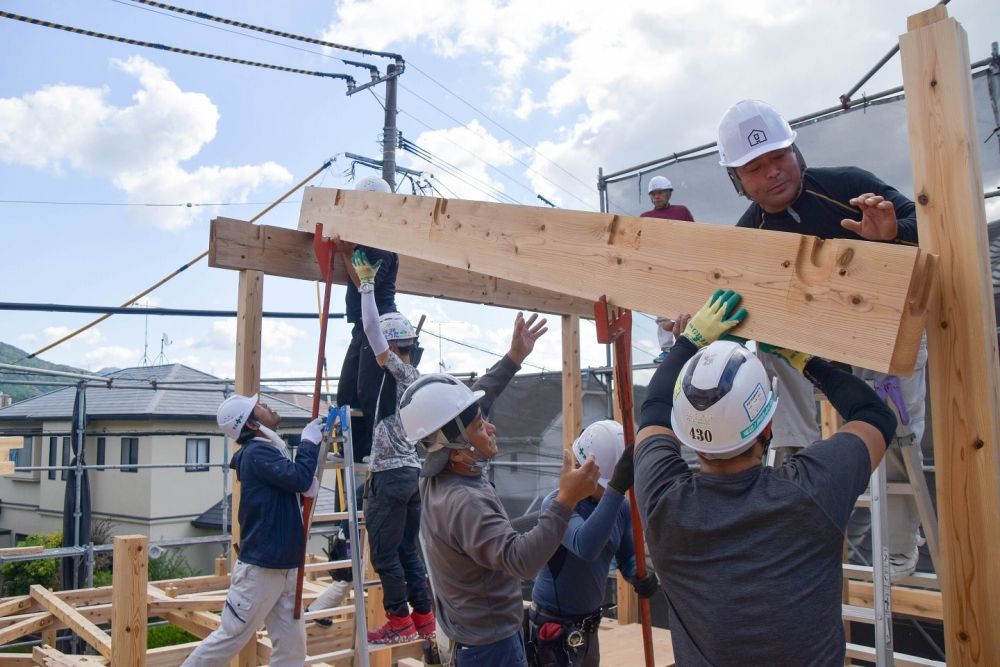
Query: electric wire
[(141, 204), (183, 267), (480, 349), (426, 155), (173, 49)]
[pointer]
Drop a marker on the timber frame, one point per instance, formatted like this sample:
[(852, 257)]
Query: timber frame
[(537, 260)]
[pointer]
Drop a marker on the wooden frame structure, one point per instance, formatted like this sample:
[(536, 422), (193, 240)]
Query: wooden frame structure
[(802, 293)]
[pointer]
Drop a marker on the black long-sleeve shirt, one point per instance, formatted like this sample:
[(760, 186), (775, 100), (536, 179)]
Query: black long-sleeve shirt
[(823, 203)]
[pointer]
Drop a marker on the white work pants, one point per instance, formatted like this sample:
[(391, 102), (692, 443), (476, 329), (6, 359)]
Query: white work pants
[(257, 596)]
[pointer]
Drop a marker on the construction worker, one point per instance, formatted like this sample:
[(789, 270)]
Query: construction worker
[(757, 148), (475, 557), (660, 190), (361, 378), (569, 591), (748, 555), (272, 545)]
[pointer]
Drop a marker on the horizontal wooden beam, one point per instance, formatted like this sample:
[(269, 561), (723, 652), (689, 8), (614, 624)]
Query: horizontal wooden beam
[(915, 602), (853, 301), (278, 251)]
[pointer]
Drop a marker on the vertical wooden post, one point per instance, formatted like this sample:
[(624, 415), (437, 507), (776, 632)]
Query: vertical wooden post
[(248, 332), (572, 396), (625, 596), (221, 566), (129, 578), (961, 336)]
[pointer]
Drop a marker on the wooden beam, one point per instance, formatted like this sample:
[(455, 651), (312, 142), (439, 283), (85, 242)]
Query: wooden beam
[(50, 657), (28, 626), (915, 602), (285, 252), (89, 632), (854, 301), (169, 656), (21, 551), (572, 390), (248, 334), (961, 335), (16, 660), (207, 603), (129, 579), (15, 605)]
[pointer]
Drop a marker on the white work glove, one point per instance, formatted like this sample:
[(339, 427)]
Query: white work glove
[(313, 432), (313, 489)]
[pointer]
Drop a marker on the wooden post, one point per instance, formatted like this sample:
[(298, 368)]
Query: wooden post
[(625, 595), (248, 331), (572, 397), (129, 579), (961, 331), (221, 566)]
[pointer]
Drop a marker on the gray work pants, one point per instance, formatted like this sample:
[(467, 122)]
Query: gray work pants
[(257, 596)]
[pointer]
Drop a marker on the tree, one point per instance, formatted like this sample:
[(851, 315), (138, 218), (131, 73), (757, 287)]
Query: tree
[(20, 575)]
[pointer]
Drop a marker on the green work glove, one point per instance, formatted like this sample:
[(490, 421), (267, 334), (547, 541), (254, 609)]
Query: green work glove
[(366, 270), (715, 318), (796, 360)]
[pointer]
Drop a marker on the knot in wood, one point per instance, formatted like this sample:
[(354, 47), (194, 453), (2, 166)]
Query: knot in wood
[(923, 199), (786, 264), (978, 444), (856, 299)]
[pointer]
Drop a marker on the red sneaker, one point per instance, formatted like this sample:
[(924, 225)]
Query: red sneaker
[(424, 623), (397, 630)]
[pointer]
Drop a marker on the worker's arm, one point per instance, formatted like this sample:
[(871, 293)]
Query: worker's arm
[(292, 476), (867, 415), (586, 538), (522, 343), (367, 272), (346, 251)]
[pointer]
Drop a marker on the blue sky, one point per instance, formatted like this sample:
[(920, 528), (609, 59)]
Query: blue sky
[(564, 87)]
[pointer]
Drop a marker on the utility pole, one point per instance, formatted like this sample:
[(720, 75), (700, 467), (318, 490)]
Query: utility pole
[(389, 131)]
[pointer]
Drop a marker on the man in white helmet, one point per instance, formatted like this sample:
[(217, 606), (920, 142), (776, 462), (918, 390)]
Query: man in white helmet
[(757, 148), (569, 591), (360, 376), (748, 555), (272, 544), (475, 557), (660, 190)]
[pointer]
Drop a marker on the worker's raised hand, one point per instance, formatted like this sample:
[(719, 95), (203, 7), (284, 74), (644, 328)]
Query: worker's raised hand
[(715, 318), (366, 270), (575, 484), (878, 218), (623, 475), (526, 332), (345, 248), (313, 432), (793, 358)]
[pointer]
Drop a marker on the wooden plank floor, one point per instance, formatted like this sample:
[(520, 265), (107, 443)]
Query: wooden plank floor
[(622, 645)]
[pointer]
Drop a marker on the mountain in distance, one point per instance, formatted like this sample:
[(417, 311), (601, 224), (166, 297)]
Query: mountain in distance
[(18, 392)]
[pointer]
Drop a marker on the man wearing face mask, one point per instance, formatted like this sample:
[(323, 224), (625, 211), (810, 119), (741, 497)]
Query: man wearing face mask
[(476, 558), (272, 544)]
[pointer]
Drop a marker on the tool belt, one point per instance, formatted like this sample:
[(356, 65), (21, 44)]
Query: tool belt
[(558, 640)]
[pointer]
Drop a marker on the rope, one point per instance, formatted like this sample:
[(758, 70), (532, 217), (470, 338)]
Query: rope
[(183, 267), (173, 49)]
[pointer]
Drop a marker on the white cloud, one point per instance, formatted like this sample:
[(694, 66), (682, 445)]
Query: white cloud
[(88, 337), (112, 355), (62, 127)]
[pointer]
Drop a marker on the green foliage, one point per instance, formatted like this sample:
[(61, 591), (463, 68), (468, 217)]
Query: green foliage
[(102, 578), (20, 575), (171, 565), (18, 392), (168, 635)]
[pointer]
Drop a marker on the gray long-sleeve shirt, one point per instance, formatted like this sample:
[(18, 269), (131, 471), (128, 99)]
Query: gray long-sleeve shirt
[(477, 559)]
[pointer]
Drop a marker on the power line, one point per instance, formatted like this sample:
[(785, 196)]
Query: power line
[(142, 310), (139, 204), (480, 349), (458, 172), (270, 31), (351, 83)]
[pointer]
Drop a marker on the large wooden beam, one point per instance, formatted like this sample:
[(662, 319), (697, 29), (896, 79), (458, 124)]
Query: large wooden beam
[(854, 301), (961, 335), (129, 578), (248, 340), (89, 632), (572, 384), (285, 252)]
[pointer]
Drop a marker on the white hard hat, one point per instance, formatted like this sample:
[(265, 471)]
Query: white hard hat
[(433, 401), (749, 129), (372, 184), (234, 413), (395, 326), (659, 183), (604, 439), (722, 400)]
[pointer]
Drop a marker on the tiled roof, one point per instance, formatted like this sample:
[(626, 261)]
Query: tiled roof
[(129, 400), (211, 519)]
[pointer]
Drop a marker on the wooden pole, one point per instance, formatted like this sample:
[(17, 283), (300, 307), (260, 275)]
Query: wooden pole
[(572, 392), (961, 331), (129, 579), (248, 331)]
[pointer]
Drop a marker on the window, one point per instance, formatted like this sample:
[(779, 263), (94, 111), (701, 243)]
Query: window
[(24, 457), (197, 452), (65, 456), (12, 456), (101, 449), (53, 455), (130, 454)]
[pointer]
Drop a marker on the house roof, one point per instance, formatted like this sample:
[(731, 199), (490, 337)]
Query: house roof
[(128, 400)]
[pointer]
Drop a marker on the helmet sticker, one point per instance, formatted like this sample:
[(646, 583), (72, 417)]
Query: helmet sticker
[(755, 402), (764, 414)]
